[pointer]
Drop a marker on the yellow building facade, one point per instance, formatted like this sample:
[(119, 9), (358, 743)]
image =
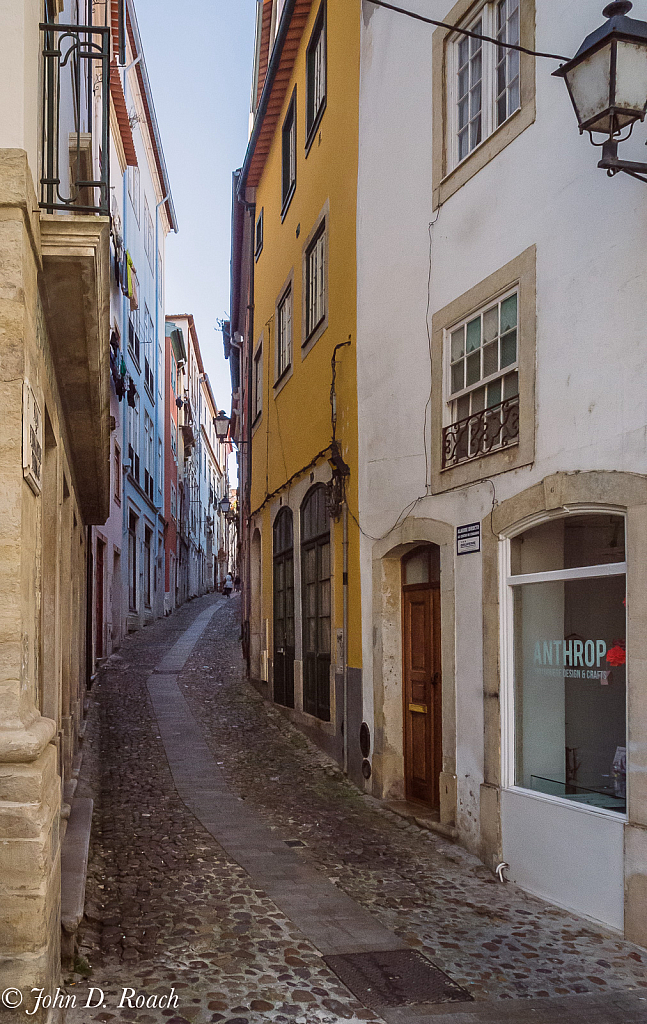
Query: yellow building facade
[(299, 370)]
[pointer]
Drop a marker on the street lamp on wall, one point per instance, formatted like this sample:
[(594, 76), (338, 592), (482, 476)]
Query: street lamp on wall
[(225, 505), (607, 83), (221, 425)]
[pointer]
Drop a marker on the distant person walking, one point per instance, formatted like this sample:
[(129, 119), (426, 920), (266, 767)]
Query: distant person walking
[(227, 585), (237, 584)]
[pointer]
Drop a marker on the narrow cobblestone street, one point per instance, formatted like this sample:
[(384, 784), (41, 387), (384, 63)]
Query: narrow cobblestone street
[(238, 925)]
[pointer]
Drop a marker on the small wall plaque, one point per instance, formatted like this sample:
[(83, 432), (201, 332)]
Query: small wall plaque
[(32, 439), (468, 539)]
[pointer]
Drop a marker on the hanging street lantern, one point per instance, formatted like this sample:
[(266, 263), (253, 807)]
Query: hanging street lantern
[(221, 425), (607, 83)]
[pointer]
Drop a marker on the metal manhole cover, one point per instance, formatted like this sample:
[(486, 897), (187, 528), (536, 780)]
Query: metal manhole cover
[(396, 978)]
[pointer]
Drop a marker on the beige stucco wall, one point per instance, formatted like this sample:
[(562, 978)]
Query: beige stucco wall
[(42, 606)]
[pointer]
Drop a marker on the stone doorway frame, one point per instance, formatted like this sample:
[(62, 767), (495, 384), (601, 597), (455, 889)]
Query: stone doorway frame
[(388, 756)]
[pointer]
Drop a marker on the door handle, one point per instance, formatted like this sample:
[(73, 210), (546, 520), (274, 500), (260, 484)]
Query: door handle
[(280, 650)]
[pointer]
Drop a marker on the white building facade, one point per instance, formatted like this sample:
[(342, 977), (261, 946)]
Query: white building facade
[(504, 511)]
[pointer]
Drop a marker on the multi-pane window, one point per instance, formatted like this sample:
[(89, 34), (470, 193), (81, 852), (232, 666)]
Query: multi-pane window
[(173, 375), (148, 455), (173, 501), (149, 378), (284, 334), (289, 154), (316, 281), (486, 76), (316, 74), (316, 599), (174, 439), (134, 190), (133, 436), (117, 472), (149, 234), (483, 381), (258, 238), (258, 382), (133, 335), (507, 61)]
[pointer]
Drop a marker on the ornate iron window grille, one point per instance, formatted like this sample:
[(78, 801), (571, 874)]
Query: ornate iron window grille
[(482, 433), (75, 47)]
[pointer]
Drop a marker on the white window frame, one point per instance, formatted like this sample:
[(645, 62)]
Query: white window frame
[(507, 582), (450, 403), (487, 17), (284, 319), (257, 408), (316, 281)]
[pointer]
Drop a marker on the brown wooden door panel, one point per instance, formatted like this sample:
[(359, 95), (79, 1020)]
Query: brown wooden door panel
[(422, 693)]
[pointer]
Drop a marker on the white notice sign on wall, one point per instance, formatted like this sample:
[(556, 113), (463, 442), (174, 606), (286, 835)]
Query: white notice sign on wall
[(32, 439), (468, 539)]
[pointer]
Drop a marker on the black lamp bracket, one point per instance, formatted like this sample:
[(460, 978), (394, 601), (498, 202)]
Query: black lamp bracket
[(612, 165)]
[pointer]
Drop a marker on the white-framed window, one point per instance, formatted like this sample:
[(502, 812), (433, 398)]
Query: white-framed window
[(160, 367), (173, 501), (173, 375), (258, 238), (134, 190), (316, 74), (563, 638), (160, 463), (174, 438), (257, 393), (148, 444), (484, 78), (316, 281), (482, 380), (284, 334), (149, 235), (289, 154)]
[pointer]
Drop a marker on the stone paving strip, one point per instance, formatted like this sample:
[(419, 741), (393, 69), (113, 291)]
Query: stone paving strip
[(191, 884)]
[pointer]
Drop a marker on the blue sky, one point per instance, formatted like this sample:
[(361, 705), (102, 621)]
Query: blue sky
[(199, 57)]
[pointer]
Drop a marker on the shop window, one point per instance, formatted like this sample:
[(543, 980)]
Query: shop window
[(568, 584)]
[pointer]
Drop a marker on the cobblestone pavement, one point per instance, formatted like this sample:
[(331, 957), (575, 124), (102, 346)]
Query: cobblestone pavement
[(167, 906)]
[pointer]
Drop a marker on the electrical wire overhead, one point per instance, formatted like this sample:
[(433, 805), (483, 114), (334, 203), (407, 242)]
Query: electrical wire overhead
[(467, 32)]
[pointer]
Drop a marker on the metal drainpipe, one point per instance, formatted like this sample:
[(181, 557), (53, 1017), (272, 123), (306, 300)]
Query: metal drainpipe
[(251, 207), (160, 371), (345, 625)]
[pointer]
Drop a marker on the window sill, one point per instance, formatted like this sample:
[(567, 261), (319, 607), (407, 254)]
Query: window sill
[(314, 330), (486, 151), (283, 377), (532, 794), (312, 131), (288, 199)]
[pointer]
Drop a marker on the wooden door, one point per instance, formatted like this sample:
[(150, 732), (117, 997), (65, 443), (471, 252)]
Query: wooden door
[(284, 630), (98, 595), (422, 693)]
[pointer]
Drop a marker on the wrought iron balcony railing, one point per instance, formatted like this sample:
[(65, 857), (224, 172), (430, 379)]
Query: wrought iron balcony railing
[(481, 433), (71, 54)]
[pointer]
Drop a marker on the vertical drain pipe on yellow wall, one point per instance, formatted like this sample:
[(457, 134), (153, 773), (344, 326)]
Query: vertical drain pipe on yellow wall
[(345, 626)]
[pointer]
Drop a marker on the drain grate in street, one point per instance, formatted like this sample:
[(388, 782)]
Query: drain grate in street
[(397, 978)]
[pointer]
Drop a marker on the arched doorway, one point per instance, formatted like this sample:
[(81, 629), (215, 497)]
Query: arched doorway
[(422, 681), (315, 568), (283, 609)]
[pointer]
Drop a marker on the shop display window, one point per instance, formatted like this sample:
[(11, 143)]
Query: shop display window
[(568, 583)]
